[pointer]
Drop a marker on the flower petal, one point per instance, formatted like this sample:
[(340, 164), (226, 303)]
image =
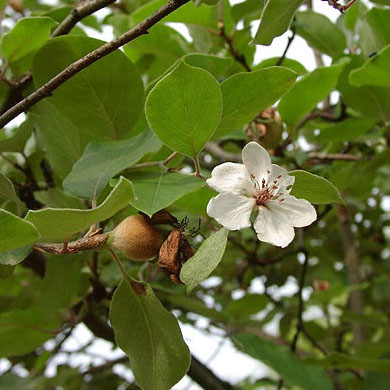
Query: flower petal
[(299, 212), (273, 227), (231, 177), (257, 161), (284, 180), (232, 211)]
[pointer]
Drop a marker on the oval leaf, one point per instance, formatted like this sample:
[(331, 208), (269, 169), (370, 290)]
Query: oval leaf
[(154, 191), (320, 33), (150, 336), (314, 188), (246, 94), (307, 92), (284, 362), (29, 34), (105, 100), (276, 19), (15, 232), (184, 108), (205, 260), (375, 71), (102, 160), (61, 224)]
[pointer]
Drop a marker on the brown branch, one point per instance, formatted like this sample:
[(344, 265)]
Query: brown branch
[(352, 260), (240, 58), (90, 58), (289, 42), (82, 10), (95, 242), (300, 325)]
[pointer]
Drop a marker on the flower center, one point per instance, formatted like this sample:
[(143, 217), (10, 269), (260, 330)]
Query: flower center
[(266, 192)]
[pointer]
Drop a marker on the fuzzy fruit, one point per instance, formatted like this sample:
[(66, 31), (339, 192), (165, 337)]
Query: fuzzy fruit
[(136, 239)]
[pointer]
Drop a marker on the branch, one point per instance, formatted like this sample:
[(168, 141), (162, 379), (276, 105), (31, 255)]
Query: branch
[(79, 12), (90, 58), (352, 260), (289, 42), (229, 40), (94, 242)]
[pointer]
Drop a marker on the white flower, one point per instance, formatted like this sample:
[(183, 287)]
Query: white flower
[(258, 185)]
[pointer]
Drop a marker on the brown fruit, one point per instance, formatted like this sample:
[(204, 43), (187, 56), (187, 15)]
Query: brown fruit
[(136, 239), (266, 129)]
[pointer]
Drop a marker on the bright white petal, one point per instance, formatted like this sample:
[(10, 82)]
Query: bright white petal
[(231, 177), (273, 227), (284, 180), (257, 161), (232, 211), (299, 212)]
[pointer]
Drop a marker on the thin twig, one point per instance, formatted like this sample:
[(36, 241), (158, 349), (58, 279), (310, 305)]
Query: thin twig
[(300, 325), (90, 58), (240, 58), (82, 10), (289, 42)]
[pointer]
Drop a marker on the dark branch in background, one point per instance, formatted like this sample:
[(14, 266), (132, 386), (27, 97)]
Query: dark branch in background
[(79, 12), (352, 260), (205, 377), (229, 40), (300, 325), (289, 42), (77, 66)]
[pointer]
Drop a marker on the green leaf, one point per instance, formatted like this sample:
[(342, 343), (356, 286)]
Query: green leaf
[(217, 66), (105, 100), (15, 256), (342, 361), (375, 381), (320, 33), (307, 92), (21, 331), (29, 34), (154, 191), (346, 130), (276, 19), (247, 305), (374, 30), (161, 49), (289, 63), (205, 260), (61, 283), (15, 232), (184, 108), (369, 100), (314, 188), (7, 191), (284, 362), (189, 13), (376, 71), (61, 224), (150, 336), (103, 160), (5, 272), (246, 94), (51, 126), (16, 141)]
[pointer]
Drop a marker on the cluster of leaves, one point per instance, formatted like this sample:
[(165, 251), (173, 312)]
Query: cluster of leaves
[(99, 148)]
